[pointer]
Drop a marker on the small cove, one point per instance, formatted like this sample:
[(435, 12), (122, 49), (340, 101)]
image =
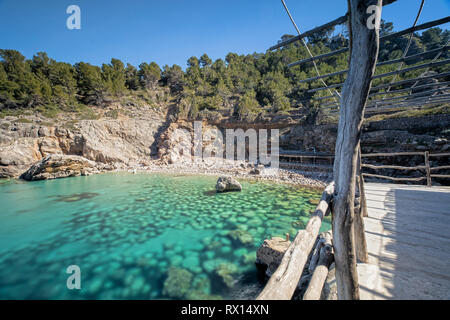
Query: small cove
[(128, 231)]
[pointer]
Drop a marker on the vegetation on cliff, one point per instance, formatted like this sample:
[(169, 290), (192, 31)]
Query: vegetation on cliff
[(241, 86)]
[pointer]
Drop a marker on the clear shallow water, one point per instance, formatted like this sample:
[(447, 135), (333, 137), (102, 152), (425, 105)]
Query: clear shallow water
[(141, 236)]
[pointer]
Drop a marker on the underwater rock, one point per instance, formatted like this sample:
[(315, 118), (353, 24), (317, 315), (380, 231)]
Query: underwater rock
[(271, 252), (192, 263), (177, 283), (225, 271), (225, 184), (241, 236), (201, 284), (249, 258)]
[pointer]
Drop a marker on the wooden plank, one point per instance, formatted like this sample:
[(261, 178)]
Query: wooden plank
[(440, 176), (333, 74), (420, 66), (415, 88), (306, 156), (392, 154), (282, 283), (320, 272), (392, 178), (399, 83), (377, 105), (376, 167), (387, 37), (440, 154), (309, 33), (439, 168), (414, 56), (394, 61)]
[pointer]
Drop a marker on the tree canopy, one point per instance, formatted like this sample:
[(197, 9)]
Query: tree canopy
[(239, 85)]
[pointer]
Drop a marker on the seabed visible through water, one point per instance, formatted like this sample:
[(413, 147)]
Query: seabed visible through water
[(141, 236)]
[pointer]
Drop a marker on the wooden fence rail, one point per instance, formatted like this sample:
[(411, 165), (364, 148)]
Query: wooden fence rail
[(428, 169)]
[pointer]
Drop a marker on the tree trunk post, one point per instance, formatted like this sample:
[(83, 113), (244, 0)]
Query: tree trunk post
[(364, 45)]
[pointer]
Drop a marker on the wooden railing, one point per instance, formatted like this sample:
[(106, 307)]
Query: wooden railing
[(428, 169), (326, 160), (283, 282)]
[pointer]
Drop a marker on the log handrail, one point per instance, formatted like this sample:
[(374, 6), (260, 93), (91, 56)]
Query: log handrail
[(282, 283), (427, 167)]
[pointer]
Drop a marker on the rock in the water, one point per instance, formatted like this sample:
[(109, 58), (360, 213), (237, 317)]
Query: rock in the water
[(241, 236), (225, 184), (226, 271), (177, 283), (58, 166), (271, 252)]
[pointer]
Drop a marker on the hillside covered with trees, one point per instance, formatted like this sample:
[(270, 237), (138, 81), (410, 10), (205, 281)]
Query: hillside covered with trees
[(240, 86)]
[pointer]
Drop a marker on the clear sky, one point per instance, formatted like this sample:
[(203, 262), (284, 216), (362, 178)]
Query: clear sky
[(171, 31)]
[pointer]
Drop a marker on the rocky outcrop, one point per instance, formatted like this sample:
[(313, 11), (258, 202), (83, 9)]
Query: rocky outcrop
[(124, 142), (271, 252), (225, 184), (175, 144), (59, 166)]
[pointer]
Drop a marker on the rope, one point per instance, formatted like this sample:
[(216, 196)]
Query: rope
[(309, 52), (405, 52)]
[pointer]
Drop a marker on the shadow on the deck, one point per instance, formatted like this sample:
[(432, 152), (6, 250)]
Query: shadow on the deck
[(415, 261)]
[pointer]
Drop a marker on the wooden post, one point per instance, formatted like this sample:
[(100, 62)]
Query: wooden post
[(360, 237), (427, 165), (364, 45), (362, 189)]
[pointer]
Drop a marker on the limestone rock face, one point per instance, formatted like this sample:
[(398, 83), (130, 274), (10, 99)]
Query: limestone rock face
[(271, 252), (225, 184), (123, 142), (58, 166), (175, 144)]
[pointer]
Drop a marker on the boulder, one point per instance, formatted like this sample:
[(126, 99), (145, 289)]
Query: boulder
[(58, 166), (271, 252), (225, 184)]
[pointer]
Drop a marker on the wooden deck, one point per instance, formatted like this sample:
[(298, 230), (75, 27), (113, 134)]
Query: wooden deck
[(408, 239)]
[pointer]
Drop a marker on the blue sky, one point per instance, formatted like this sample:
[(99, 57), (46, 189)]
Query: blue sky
[(171, 31)]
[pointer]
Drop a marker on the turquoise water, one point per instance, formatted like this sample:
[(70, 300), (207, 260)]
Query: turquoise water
[(143, 236)]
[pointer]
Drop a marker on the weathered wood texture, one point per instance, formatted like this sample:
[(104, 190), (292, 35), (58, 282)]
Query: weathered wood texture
[(320, 271), (427, 167), (364, 45), (360, 237), (282, 283)]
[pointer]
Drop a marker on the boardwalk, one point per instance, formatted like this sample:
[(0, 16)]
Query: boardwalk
[(408, 239)]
